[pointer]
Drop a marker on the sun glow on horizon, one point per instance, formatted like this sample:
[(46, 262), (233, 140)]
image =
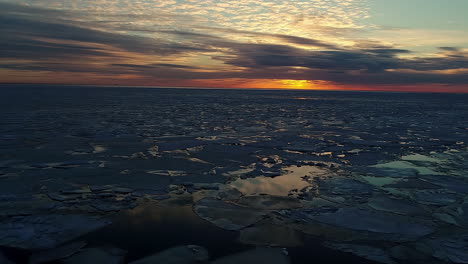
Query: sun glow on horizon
[(305, 85), (297, 84)]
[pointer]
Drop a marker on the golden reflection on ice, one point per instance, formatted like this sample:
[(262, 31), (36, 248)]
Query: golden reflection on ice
[(281, 185)]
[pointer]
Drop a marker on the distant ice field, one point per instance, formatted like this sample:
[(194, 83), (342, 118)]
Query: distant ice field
[(362, 177)]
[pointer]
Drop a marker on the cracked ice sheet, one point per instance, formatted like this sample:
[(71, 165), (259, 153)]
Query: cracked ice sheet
[(46, 231), (292, 181)]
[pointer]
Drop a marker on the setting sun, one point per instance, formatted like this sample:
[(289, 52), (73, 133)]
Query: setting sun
[(297, 84)]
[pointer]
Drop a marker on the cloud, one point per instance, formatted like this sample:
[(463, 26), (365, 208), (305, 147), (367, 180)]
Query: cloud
[(154, 66), (52, 40), (298, 18), (357, 61), (288, 39), (36, 33), (449, 48), (265, 55)]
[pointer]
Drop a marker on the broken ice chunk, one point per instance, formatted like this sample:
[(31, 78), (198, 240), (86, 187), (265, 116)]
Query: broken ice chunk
[(177, 255), (226, 215)]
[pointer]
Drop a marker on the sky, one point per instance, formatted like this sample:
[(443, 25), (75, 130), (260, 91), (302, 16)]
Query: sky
[(382, 45)]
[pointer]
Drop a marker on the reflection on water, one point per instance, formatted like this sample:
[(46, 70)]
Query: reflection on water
[(99, 149), (154, 227), (151, 228), (294, 179), (306, 98)]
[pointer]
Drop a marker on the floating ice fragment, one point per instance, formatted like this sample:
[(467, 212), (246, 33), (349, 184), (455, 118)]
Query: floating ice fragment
[(402, 165), (293, 179), (419, 157), (367, 252), (178, 255), (97, 255), (226, 215), (255, 256), (434, 197), (397, 206), (98, 149), (358, 219), (46, 231), (269, 202), (56, 253), (451, 249)]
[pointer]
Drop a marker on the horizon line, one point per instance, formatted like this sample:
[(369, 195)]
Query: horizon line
[(232, 88)]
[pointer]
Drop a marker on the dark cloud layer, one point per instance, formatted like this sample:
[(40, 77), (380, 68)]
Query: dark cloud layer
[(346, 62), (22, 26), (54, 40)]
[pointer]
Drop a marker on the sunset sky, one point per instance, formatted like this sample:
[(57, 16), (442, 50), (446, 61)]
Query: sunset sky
[(389, 45)]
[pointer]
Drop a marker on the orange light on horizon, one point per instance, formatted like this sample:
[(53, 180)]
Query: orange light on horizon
[(86, 78), (254, 83), (265, 84), (297, 84)]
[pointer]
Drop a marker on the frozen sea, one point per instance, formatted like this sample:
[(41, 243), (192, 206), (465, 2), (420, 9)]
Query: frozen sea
[(161, 175)]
